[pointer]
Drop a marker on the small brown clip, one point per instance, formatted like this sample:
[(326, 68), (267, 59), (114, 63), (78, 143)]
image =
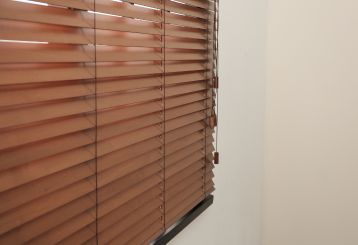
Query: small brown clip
[(213, 122), (215, 82), (216, 157)]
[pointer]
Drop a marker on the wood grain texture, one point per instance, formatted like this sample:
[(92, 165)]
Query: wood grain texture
[(104, 109)]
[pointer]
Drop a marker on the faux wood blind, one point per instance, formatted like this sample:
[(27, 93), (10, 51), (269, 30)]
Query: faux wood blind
[(106, 118)]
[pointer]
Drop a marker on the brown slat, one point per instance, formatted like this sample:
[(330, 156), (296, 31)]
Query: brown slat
[(32, 133), (115, 202), (181, 210), (127, 10), (128, 125), (25, 193), (11, 30), (184, 141), (66, 229), (119, 142), (136, 216), (127, 168), (32, 75), (148, 225), (127, 153), (41, 206), (83, 236), (46, 222), (112, 100), (18, 54), (185, 9), (176, 201), (33, 13), (116, 215), (183, 164), (111, 116), (117, 70), (25, 154), (39, 112), (176, 178), (22, 95), (35, 170), (128, 83), (76, 4)]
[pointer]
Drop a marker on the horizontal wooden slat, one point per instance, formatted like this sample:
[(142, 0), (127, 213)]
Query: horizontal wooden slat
[(16, 157), (135, 217), (15, 197), (86, 235), (105, 22), (33, 133), (41, 206), (183, 164), (185, 9), (66, 229), (20, 54), (115, 39), (126, 168), (148, 3), (185, 32), (40, 112), (12, 10), (196, 188), (46, 222), (195, 179), (117, 70), (127, 10), (33, 32), (112, 55), (40, 93), (185, 21), (112, 100), (183, 100), (183, 153), (76, 4), (117, 201), (115, 115), (184, 120), (147, 236), (123, 182), (148, 225), (128, 125), (184, 89), (127, 83), (116, 215), (32, 75), (135, 150), (119, 142), (25, 173)]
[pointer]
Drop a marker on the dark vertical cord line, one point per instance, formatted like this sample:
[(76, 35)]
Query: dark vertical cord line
[(96, 114), (217, 70), (164, 118)]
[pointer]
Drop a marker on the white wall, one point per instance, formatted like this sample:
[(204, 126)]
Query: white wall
[(234, 219), (310, 177), (311, 168)]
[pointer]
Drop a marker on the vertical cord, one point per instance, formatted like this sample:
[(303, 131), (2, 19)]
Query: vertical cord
[(164, 118), (96, 119), (217, 70)]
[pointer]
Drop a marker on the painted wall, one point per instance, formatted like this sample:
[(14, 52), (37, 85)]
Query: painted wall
[(234, 219), (306, 55), (311, 147)]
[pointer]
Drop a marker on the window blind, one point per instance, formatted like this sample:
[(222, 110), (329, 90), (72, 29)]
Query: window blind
[(107, 116)]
